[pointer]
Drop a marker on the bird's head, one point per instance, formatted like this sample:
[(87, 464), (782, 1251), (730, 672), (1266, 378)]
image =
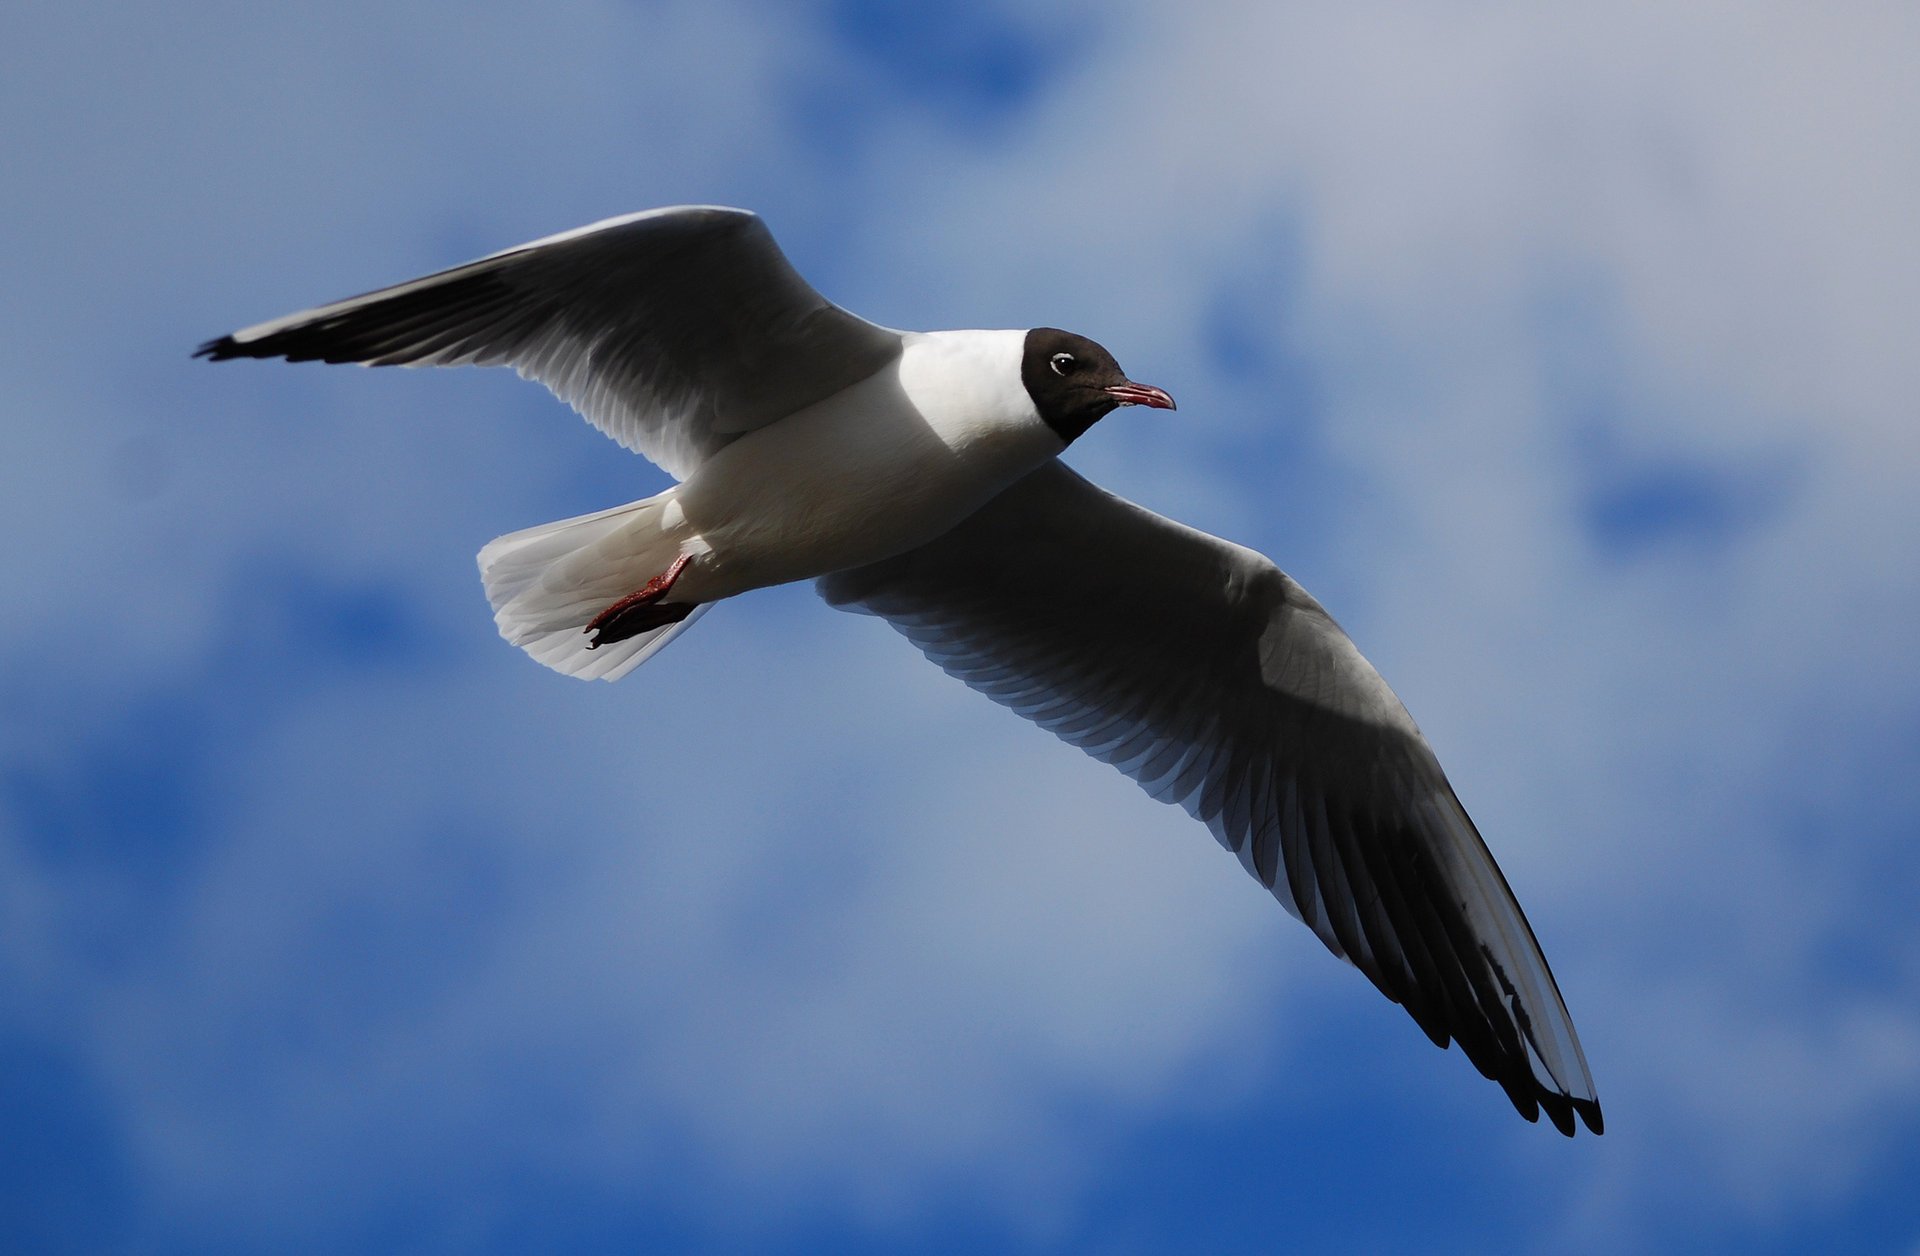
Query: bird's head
[(1075, 383)]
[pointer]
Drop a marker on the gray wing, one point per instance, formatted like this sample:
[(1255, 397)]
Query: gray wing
[(1203, 672), (673, 331)]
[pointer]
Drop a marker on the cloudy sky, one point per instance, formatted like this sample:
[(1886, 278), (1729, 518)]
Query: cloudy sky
[(1567, 357)]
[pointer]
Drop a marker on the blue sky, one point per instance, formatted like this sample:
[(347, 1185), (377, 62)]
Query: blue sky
[(1566, 357)]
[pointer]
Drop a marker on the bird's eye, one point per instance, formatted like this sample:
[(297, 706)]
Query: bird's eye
[(1062, 363)]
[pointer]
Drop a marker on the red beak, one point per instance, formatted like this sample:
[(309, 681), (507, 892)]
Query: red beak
[(1132, 394)]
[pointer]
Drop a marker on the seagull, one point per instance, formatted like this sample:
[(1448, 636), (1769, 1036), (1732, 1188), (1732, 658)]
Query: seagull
[(916, 476)]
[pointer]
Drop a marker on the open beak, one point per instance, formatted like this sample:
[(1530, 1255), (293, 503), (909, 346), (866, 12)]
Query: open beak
[(1132, 394)]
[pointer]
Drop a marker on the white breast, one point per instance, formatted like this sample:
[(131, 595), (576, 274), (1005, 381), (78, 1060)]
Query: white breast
[(886, 465)]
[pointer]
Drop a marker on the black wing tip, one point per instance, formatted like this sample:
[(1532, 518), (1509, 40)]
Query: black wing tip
[(228, 349), (295, 344), (1561, 1110), (221, 350)]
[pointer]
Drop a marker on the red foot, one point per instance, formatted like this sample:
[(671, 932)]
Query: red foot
[(640, 610)]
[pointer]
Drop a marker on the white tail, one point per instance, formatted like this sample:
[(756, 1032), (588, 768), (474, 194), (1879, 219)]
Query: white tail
[(545, 584)]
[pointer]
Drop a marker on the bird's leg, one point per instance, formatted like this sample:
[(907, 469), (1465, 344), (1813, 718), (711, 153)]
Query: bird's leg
[(642, 610)]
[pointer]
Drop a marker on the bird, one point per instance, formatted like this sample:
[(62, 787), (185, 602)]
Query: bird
[(916, 476)]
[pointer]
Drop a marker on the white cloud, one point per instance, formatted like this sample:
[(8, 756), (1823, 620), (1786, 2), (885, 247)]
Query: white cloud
[(783, 941)]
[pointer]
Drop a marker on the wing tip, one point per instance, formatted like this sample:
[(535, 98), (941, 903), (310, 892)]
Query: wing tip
[(254, 342), (220, 349), (1561, 1110)]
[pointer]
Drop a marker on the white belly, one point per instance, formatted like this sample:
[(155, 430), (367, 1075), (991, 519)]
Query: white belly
[(880, 468)]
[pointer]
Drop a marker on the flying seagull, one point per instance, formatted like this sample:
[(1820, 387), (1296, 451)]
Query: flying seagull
[(916, 476)]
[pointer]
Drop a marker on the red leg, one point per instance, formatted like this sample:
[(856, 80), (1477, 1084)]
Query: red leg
[(608, 626)]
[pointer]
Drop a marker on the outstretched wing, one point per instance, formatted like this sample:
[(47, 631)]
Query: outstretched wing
[(673, 331), (1203, 672)]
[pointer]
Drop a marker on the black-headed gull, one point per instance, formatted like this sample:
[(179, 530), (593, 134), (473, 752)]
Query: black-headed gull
[(916, 476)]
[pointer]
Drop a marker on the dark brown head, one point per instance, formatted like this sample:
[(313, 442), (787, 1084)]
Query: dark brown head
[(1075, 383)]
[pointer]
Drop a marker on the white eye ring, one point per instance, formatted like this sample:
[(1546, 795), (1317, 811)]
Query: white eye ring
[(1062, 362)]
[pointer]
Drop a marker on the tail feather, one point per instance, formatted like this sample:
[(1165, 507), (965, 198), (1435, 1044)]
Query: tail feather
[(545, 583)]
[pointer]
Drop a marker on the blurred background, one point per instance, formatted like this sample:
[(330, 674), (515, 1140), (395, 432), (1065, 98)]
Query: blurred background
[(1568, 357)]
